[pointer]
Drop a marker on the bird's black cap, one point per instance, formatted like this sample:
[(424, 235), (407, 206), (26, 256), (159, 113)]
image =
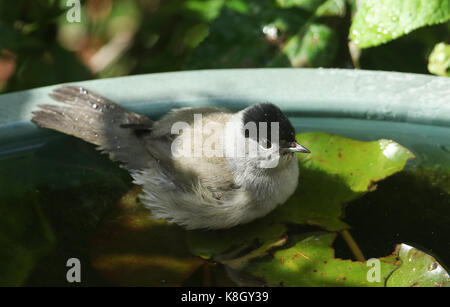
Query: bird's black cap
[(269, 113)]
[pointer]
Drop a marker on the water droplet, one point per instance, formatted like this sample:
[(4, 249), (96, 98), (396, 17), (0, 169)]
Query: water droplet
[(95, 106), (270, 31), (83, 91)]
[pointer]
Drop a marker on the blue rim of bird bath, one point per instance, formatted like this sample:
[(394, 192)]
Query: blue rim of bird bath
[(412, 109)]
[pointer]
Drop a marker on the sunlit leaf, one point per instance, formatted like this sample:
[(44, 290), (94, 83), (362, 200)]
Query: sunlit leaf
[(379, 21), (337, 171), (417, 269), (311, 262)]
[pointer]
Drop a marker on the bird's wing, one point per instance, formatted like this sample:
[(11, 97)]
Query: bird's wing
[(99, 121), (164, 126)]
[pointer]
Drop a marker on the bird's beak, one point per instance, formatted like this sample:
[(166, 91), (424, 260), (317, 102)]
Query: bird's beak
[(296, 147)]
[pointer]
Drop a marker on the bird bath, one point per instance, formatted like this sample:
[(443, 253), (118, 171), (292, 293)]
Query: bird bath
[(37, 164)]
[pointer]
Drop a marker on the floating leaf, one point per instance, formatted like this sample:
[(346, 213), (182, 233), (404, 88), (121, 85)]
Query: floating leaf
[(337, 171), (417, 269), (379, 21), (311, 262)]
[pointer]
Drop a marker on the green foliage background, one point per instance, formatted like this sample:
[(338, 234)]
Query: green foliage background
[(38, 46)]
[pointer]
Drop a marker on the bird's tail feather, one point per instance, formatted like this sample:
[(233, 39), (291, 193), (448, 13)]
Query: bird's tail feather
[(95, 119)]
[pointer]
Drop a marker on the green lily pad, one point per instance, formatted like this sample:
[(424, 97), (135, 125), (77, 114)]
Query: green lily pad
[(417, 269), (439, 60), (337, 171), (311, 262), (379, 21)]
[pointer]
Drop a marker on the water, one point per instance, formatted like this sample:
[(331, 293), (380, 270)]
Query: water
[(62, 199)]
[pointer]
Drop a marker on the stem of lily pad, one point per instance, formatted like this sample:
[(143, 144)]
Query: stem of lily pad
[(352, 245), (206, 274)]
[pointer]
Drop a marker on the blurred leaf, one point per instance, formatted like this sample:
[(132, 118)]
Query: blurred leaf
[(379, 21), (14, 40), (417, 269), (332, 8), (236, 39), (40, 68), (316, 48), (196, 34), (253, 37), (309, 5), (439, 60), (215, 242)]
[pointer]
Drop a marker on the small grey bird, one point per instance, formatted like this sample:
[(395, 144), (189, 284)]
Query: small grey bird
[(193, 190)]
